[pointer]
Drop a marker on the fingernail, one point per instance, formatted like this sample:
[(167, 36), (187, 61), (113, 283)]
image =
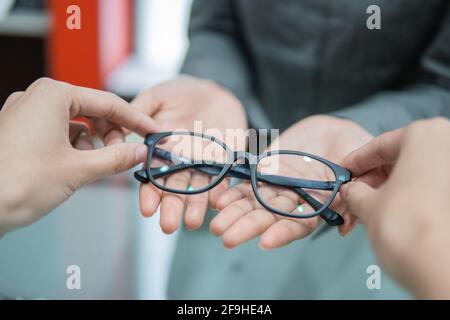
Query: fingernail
[(141, 153), (348, 229), (352, 227)]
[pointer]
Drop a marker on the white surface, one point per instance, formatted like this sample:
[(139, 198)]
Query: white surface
[(161, 44), (154, 260), (134, 75), (162, 32)]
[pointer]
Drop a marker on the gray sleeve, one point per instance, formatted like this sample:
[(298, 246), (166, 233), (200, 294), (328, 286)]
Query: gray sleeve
[(389, 111), (428, 96), (216, 52)]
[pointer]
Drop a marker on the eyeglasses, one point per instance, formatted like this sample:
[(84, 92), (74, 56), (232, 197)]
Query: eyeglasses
[(288, 183)]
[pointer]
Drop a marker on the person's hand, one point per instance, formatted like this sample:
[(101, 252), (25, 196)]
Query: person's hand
[(39, 166), (191, 104), (242, 218), (404, 203)]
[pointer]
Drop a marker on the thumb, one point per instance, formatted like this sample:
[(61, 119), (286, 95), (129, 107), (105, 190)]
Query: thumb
[(359, 199), (108, 161)]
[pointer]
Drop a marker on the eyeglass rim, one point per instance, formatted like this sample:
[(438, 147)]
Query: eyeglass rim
[(338, 172), (153, 139)]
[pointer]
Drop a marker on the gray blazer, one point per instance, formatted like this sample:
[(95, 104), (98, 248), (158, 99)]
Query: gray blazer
[(288, 59)]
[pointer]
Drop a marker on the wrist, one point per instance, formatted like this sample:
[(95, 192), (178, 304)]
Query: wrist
[(12, 203)]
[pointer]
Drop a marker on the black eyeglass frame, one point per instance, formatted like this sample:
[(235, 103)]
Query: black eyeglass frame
[(249, 171)]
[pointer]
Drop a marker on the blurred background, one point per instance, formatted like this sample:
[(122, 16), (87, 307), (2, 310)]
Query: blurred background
[(124, 46)]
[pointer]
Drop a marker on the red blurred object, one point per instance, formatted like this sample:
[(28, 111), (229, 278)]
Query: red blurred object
[(87, 56)]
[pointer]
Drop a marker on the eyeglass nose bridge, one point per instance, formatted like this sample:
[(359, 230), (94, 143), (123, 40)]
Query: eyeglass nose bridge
[(250, 158)]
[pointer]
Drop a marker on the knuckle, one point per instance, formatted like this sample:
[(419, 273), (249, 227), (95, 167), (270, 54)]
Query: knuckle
[(114, 104), (112, 96), (15, 95), (44, 83), (58, 89), (120, 161)]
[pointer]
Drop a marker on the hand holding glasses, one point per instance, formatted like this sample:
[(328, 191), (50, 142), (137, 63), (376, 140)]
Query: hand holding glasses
[(283, 182)]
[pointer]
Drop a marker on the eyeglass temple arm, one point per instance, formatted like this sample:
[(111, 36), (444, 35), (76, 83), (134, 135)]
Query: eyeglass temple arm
[(331, 217)]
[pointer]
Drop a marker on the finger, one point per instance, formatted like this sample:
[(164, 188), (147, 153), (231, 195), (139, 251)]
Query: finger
[(217, 192), (150, 198), (248, 227), (115, 136), (85, 102), (234, 194), (76, 129), (109, 132), (147, 102), (374, 179), (197, 204), (349, 226), (349, 219), (286, 231), (99, 104), (83, 142), (283, 202), (359, 199), (244, 201), (230, 214), (150, 195), (96, 164), (173, 205), (380, 151), (12, 99)]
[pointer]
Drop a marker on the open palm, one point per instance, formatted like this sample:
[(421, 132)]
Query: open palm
[(242, 218), (188, 104)]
